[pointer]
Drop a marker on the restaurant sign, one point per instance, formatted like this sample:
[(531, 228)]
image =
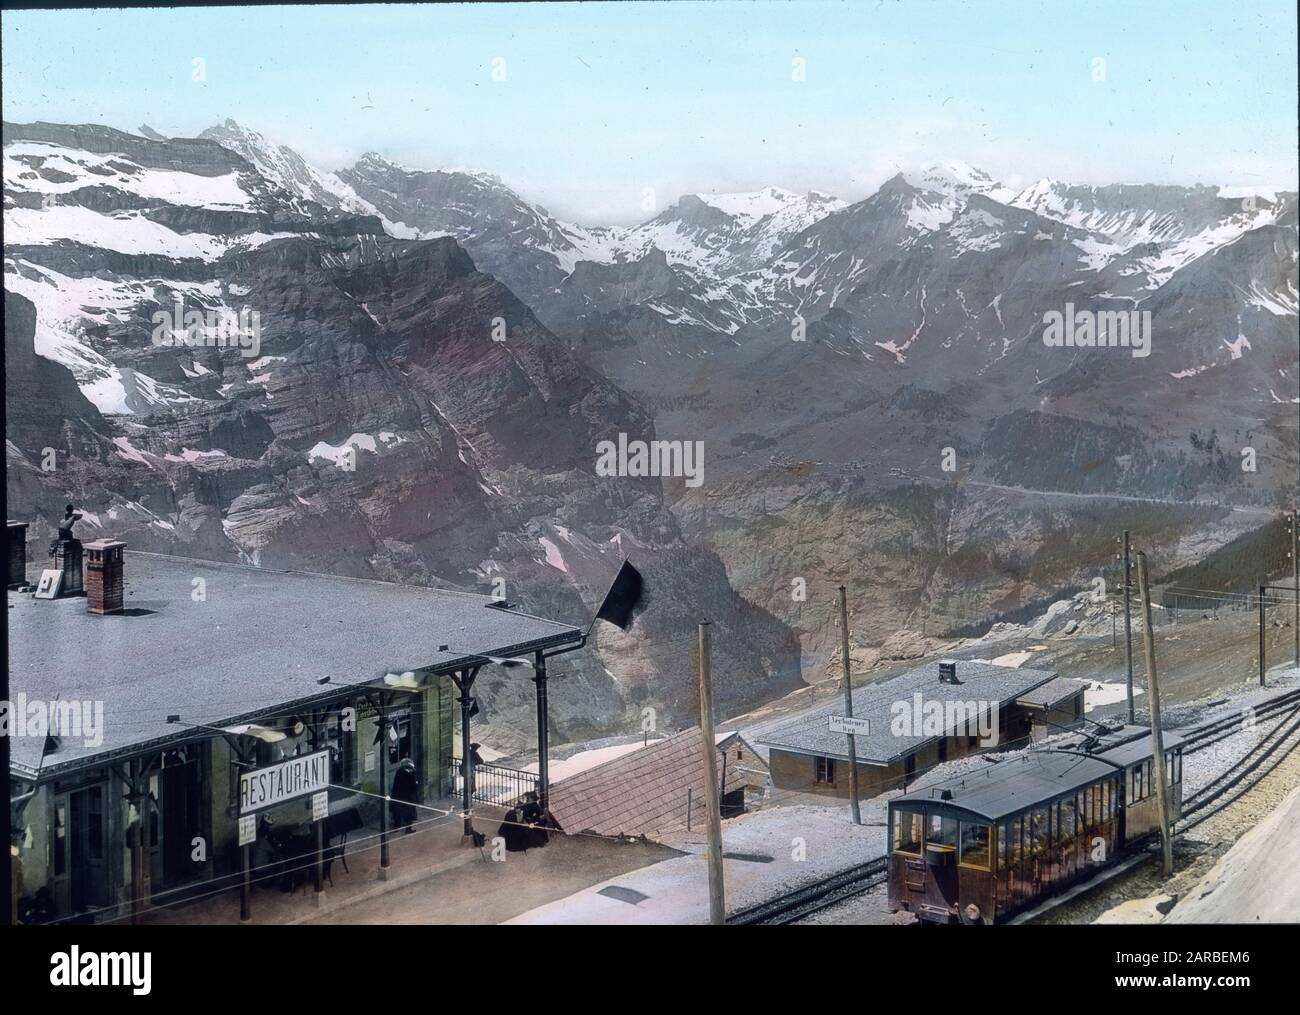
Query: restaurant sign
[(288, 780)]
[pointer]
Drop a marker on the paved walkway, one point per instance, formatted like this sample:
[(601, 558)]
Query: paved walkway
[(434, 876), (489, 892)]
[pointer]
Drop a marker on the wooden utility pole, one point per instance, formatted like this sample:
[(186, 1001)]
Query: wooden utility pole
[(1262, 590), (717, 894), (1295, 576), (1157, 738), (1128, 622), (848, 706)]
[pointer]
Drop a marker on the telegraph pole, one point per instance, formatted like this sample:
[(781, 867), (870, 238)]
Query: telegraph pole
[(1157, 739), (848, 706), (717, 893), (1295, 577), (1262, 590), (1128, 622)]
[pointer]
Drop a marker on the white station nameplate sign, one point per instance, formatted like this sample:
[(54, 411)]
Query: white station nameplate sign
[(288, 780)]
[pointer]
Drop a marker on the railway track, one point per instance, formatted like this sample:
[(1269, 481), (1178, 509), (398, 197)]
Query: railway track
[(1220, 792), (803, 902), (1208, 734), (1217, 794)]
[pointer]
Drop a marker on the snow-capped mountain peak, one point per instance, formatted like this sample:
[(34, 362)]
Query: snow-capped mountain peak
[(283, 167), (750, 208), (957, 179)]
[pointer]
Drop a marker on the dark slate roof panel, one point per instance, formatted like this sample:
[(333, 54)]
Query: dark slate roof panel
[(258, 639), (810, 733), (1052, 693)]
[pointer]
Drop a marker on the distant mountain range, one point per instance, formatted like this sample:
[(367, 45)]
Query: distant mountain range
[(869, 380)]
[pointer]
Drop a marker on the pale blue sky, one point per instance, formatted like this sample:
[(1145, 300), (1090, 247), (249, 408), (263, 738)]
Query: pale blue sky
[(603, 100)]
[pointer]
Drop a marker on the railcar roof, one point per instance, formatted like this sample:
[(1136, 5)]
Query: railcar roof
[(1008, 787), (1011, 786)]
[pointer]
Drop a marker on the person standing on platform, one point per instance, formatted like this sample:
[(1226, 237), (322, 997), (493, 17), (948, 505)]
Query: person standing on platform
[(405, 795)]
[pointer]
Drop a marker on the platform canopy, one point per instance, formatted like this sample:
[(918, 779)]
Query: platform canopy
[(222, 644)]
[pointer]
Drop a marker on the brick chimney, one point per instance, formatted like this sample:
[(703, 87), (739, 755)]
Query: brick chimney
[(17, 553), (104, 575)]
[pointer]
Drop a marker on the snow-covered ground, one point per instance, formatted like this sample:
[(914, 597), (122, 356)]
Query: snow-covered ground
[(804, 843), (1255, 881)]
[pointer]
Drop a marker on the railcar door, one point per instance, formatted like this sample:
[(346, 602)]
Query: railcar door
[(941, 858)]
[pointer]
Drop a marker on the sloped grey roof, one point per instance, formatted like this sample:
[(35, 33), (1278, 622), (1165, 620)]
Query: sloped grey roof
[(260, 639), (1052, 693), (810, 733)]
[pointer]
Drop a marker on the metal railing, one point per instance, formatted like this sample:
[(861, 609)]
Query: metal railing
[(493, 784)]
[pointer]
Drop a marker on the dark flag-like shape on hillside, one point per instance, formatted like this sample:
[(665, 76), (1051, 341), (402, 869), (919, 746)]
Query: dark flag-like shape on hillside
[(622, 598)]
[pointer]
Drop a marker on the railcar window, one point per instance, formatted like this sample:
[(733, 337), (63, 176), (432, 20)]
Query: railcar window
[(1037, 831), (907, 833), (1066, 830), (942, 832), (1017, 839), (826, 770), (976, 846)]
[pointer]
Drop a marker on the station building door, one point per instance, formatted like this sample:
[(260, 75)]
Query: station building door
[(80, 848), (177, 814)]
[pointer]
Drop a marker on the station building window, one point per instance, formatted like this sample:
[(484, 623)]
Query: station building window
[(340, 738), (826, 771), (976, 846)]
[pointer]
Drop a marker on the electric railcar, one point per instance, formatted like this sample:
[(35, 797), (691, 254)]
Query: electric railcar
[(982, 847)]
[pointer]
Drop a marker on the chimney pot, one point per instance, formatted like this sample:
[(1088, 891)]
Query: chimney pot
[(948, 672), (104, 575), (17, 553)]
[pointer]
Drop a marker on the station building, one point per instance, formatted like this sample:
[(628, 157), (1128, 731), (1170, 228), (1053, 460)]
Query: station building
[(200, 671), (917, 720)]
